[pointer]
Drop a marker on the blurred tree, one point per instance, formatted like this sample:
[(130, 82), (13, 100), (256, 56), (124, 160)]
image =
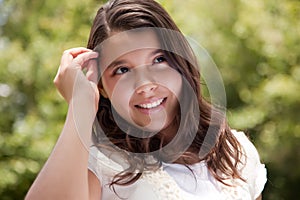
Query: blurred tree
[(33, 36), (255, 44)]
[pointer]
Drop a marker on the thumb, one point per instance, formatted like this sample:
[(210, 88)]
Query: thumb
[(97, 94), (92, 73)]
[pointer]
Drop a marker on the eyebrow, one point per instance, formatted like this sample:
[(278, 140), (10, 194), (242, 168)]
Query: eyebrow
[(115, 62), (122, 61)]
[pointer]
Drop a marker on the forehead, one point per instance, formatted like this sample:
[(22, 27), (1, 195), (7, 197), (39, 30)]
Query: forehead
[(121, 43)]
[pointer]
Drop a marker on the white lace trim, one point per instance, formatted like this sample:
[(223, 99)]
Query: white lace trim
[(238, 191), (163, 185)]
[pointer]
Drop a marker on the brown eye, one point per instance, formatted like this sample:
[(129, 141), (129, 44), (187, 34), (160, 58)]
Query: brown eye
[(122, 70), (160, 59)]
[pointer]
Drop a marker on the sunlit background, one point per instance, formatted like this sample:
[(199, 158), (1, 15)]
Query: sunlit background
[(255, 44)]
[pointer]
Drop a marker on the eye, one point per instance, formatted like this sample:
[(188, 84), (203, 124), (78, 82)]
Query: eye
[(121, 70), (160, 59)]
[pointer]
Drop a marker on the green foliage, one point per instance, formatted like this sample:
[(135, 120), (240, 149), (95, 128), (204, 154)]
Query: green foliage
[(33, 37), (255, 44)]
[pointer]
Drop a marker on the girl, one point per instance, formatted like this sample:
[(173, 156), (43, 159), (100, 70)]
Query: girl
[(154, 137)]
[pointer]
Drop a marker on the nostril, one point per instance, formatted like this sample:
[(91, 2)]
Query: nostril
[(150, 87)]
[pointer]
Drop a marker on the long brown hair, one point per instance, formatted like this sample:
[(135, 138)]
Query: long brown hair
[(222, 158)]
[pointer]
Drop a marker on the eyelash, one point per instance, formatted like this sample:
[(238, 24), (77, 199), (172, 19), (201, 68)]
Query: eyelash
[(160, 56), (128, 69), (120, 68)]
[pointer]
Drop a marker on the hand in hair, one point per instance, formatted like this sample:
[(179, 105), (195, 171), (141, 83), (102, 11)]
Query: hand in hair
[(70, 80)]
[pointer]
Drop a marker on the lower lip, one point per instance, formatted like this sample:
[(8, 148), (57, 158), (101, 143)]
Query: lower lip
[(148, 111)]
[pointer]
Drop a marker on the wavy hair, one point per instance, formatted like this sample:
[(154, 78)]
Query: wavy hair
[(222, 158)]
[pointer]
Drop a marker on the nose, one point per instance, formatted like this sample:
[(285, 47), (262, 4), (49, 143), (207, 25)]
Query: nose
[(144, 80), (146, 88)]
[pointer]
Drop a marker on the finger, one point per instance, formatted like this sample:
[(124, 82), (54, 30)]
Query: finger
[(70, 54), (92, 73), (83, 58), (74, 52)]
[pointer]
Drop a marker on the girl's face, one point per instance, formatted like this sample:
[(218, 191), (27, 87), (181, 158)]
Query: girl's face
[(139, 81)]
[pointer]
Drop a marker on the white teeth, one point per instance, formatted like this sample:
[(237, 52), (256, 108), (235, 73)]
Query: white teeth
[(151, 105)]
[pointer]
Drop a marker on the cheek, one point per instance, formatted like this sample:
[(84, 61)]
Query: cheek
[(171, 80), (175, 85), (120, 92)]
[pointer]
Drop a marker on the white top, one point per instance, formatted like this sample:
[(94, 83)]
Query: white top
[(175, 181)]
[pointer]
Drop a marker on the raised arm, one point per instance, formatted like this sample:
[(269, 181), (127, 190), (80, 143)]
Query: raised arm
[(65, 175)]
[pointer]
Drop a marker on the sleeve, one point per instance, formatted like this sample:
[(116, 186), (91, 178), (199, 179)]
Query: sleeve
[(252, 170), (93, 165), (105, 164)]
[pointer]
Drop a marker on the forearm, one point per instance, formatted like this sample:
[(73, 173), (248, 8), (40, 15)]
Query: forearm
[(64, 175)]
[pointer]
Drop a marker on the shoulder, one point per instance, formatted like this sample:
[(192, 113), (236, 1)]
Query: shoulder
[(251, 168), (104, 164), (249, 150)]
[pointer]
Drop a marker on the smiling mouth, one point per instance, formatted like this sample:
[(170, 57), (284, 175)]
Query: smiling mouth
[(151, 105)]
